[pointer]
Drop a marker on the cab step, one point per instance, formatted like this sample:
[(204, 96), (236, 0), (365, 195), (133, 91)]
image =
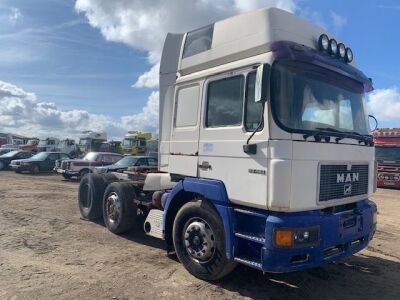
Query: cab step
[(249, 262), (250, 237)]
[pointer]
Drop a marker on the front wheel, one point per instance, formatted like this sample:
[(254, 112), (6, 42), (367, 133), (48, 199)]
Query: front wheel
[(199, 241)]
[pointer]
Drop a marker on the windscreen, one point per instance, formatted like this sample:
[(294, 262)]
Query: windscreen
[(387, 153), (127, 161), (308, 98)]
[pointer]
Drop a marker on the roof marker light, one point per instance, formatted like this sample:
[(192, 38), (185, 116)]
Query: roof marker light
[(323, 42), (333, 47), (341, 50), (349, 55)]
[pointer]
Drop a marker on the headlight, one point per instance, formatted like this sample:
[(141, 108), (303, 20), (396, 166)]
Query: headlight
[(349, 55), (296, 237), (25, 163), (341, 50), (323, 42), (333, 47)]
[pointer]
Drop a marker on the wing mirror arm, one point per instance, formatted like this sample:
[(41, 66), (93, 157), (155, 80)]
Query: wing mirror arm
[(260, 96)]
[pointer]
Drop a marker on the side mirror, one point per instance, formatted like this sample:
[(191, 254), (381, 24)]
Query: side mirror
[(376, 122), (261, 85)]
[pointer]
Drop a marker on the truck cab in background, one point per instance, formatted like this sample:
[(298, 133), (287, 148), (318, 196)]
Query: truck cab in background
[(265, 156), (90, 141), (387, 147), (135, 142), (48, 145), (31, 145)]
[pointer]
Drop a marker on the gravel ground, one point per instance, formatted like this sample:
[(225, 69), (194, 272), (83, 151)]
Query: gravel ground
[(47, 251)]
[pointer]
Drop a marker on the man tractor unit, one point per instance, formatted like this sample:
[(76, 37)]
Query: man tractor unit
[(265, 152)]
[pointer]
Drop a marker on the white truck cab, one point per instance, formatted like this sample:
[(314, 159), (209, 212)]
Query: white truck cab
[(265, 153)]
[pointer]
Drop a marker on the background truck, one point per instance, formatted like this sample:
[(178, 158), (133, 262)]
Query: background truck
[(90, 141), (69, 147), (248, 107), (49, 144), (134, 142), (387, 147), (31, 145)]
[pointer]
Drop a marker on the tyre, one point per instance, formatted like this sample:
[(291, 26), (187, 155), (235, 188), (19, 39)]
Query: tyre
[(66, 176), (35, 169), (1, 165), (199, 241), (82, 173), (119, 210), (90, 196)]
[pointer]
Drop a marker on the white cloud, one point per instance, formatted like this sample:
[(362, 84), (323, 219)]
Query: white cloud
[(149, 79), (14, 15), (21, 112), (144, 24), (338, 21), (385, 104)]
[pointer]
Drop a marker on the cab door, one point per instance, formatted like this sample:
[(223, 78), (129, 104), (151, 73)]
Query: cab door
[(230, 115), (184, 143)]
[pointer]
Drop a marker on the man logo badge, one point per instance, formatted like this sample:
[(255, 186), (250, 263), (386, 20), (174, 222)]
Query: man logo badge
[(347, 189)]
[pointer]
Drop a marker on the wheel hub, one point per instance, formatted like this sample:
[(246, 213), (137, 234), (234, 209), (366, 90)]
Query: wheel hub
[(113, 207), (199, 240)]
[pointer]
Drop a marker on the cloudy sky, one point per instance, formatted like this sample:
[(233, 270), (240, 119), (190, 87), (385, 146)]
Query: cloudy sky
[(67, 66)]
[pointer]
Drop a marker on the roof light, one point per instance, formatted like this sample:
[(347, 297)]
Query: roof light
[(341, 50), (323, 42), (333, 47), (349, 55)]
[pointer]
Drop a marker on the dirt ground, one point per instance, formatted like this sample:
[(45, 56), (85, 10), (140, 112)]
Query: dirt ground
[(47, 251)]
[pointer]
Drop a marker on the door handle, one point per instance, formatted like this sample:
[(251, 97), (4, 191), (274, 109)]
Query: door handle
[(205, 165)]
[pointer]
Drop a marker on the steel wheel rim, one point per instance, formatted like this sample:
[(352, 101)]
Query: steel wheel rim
[(199, 240), (113, 207)]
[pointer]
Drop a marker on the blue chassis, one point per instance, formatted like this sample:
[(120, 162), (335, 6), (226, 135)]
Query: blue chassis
[(261, 224)]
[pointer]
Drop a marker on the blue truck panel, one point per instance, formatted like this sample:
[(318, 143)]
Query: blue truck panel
[(249, 232)]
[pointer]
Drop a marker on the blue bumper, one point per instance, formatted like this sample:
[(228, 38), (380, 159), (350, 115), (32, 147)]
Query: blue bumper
[(341, 235)]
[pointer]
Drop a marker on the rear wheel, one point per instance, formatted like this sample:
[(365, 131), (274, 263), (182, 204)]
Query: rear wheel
[(90, 196), (199, 241), (119, 210), (82, 173)]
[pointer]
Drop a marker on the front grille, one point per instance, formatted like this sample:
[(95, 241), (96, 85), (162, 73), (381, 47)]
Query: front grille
[(337, 182)]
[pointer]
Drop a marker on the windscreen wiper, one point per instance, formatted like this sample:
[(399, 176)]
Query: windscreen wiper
[(318, 136), (347, 134)]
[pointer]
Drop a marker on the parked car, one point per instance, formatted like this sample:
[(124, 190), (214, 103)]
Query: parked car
[(79, 167), (129, 161), (6, 159), (6, 150), (41, 162)]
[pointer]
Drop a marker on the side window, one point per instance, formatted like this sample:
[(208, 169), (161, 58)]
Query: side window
[(52, 157), (198, 41), (253, 110), (26, 155), (99, 158), (142, 162), (115, 158), (186, 106), (107, 159), (225, 102), (152, 162)]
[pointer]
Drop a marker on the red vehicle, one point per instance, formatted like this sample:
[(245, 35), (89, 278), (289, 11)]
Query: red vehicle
[(31, 145), (387, 147)]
